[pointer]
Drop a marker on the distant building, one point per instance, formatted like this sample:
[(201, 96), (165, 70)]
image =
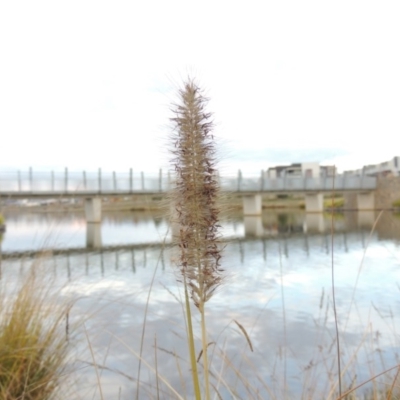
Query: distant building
[(308, 169), (386, 168)]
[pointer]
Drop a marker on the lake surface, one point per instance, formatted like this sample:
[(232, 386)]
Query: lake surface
[(278, 286)]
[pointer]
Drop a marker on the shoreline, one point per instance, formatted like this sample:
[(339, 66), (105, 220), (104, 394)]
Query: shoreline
[(159, 204), (144, 205)]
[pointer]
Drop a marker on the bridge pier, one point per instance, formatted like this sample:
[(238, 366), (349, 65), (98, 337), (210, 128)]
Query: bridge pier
[(365, 219), (93, 209), (253, 226), (365, 201), (252, 204), (314, 223), (314, 202), (93, 235)]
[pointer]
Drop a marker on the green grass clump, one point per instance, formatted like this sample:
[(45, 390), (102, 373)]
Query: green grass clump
[(337, 202), (396, 203), (33, 349), (2, 221)]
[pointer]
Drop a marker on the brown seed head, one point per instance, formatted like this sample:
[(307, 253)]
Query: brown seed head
[(195, 194)]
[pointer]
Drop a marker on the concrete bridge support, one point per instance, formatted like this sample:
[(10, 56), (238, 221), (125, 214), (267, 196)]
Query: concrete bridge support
[(93, 209), (252, 205), (365, 201), (93, 222), (93, 235), (315, 202), (365, 219), (314, 223), (253, 226)]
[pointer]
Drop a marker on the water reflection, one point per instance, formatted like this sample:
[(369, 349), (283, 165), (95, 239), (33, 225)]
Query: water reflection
[(277, 285), (366, 219), (314, 222), (253, 226), (93, 235), (278, 288), (29, 231)]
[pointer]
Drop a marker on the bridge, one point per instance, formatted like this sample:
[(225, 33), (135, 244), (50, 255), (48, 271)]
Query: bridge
[(95, 185), (158, 248)]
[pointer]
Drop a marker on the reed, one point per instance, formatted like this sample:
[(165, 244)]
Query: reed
[(33, 349), (195, 211)]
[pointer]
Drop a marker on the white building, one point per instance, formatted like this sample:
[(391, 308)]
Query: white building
[(307, 169), (391, 167)]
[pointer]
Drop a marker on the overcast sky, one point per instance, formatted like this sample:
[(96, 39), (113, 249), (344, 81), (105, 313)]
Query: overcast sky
[(88, 84)]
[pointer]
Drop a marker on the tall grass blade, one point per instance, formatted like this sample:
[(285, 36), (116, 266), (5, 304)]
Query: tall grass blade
[(192, 350), (160, 377), (156, 366), (241, 327), (333, 284), (361, 265), (145, 319), (94, 363)]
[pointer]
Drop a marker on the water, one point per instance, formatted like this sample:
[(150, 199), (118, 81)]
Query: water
[(277, 287)]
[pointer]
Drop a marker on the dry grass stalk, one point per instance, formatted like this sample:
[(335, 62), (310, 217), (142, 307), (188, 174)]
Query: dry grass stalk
[(195, 195), (241, 327), (197, 214)]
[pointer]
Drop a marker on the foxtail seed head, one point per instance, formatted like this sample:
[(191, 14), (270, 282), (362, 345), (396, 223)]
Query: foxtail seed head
[(195, 194)]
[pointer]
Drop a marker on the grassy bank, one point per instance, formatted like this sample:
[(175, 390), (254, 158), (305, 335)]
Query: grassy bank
[(157, 203), (33, 346)]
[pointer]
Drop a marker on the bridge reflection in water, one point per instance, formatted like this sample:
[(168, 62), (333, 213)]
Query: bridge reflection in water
[(293, 232), (275, 224)]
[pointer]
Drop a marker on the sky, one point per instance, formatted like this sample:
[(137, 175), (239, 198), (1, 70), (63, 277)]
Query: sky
[(88, 84)]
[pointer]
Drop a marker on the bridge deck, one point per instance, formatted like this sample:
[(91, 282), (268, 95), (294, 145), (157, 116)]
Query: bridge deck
[(122, 187)]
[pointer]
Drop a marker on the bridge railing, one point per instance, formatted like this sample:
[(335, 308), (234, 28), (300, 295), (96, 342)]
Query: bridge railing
[(138, 182), (67, 181), (299, 184)]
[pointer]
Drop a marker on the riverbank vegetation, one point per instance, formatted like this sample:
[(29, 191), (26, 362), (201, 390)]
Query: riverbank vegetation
[(33, 347), (335, 203), (232, 201), (396, 204)]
